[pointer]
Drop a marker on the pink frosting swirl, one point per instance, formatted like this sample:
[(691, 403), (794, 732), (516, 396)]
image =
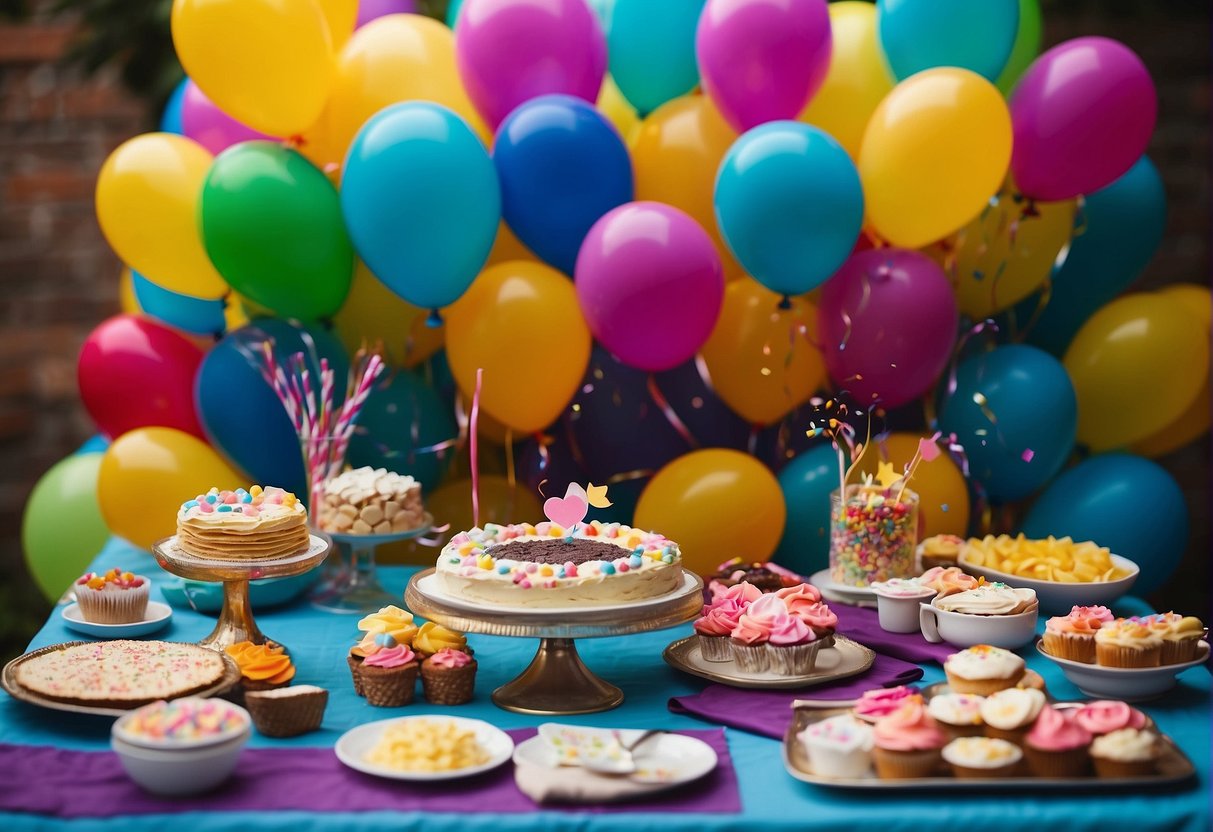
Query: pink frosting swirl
[(1106, 715), (1102, 613), (389, 657), (1057, 731), (719, 621), (744, 593), (449, 658), (817, 616), (791, 630), (882, 701), (909, 728), (759, 620), (798, 597)]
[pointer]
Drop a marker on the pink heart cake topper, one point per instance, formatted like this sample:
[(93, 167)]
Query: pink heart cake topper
[(569, 510)]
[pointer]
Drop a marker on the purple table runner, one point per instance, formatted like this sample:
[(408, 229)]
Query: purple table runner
[(861, 624), (72, 784)]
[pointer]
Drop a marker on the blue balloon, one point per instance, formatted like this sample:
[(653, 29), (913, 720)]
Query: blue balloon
[(789, 204), (806, 483), (1124, 502), (973, 34), (652, 50), (196, 315), (242, 415), (170, 119), (562, 165), (452, 13), (1120, 229), (401, 420), (421, 201), (1015, 413), (95, 444)]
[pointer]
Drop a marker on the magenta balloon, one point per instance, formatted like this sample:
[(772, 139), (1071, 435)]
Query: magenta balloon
[(650, 284), (369, 10), (762, 60), (1082, 115), (887, 321), (510, 51), (212, 128)]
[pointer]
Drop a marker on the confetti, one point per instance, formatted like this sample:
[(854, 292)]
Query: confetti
[(1027, 455)]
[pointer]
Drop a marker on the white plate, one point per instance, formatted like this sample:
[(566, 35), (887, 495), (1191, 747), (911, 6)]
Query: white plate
[(1132, 684), (355, 744), (666, 760), (826, 584), (156, 618), (1057, 598), (430, 587)]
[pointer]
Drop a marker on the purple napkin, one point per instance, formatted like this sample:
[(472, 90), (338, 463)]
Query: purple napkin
[(861, 624), (768, 712), (71, 784)]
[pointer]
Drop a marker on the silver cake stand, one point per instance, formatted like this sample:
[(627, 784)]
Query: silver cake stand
[(236, 622), (355, 587), (556, 681)]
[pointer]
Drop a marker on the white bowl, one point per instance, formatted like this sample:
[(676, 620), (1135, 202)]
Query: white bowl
[(1056, 598), (180, 767), (962, 629), (1132, 684)]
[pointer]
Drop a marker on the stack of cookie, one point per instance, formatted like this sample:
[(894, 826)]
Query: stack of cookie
[(371, 501)]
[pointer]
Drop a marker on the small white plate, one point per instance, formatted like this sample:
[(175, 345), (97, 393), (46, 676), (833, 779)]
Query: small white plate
[(1131, 684), (665, 760), (156, 618), (355, 744), (842, 592)]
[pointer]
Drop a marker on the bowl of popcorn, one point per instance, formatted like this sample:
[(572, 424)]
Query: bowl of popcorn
[(1063, 573)]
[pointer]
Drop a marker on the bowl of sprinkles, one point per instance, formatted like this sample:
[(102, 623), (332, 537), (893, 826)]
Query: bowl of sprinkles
[(185, 746)]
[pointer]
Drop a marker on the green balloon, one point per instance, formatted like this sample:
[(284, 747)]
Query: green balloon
[(271, 223), (1026, 46), (62, 529)]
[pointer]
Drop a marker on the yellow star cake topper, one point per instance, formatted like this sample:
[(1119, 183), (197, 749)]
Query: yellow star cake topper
[(887, 475), (597, 496)]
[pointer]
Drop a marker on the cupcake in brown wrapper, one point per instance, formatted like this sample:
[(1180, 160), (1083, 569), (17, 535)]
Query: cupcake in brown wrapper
[(116, 597), (448, 677), (1128, 642), (355, 663), (262, 667), (1057, 745), (389, 676), (1129, 752), (287, 712)]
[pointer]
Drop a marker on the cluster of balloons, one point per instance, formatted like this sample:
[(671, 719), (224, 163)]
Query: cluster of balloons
[(660, 230)]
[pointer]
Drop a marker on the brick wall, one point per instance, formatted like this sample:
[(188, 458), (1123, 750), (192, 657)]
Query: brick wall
[(58, 279)]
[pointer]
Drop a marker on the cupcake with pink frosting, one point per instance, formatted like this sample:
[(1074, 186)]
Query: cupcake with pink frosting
[(389, 675), (769, 639), (1057, 745), (1103, 716), (719, 619), (878, 703), (804, 602), (907, 742), (448, 677), (1072, 636)]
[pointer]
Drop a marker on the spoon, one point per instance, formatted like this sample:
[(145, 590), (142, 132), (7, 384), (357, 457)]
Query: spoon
[(621, 763)]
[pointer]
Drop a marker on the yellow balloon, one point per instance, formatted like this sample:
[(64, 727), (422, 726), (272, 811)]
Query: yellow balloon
[(1003, 255), (266, 63), (759, 356), (857, 79), (488, 428), (521, 324), (675, 155), (1196, 299), (617, 110), (126, 294), (373, 314), (147, 473), (147, 205), (234, 315), (398, 57), (934, 152), (340, 15), (943, 496), (717, 504), (507, 247), (1137, 365)]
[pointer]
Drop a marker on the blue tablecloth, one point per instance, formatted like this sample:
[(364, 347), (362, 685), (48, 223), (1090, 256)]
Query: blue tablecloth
[(772, 799)]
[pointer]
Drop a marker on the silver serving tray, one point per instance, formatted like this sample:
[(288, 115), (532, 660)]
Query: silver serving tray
[(845, 658)]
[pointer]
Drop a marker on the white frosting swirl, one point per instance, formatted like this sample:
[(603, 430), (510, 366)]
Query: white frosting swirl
[(981, 752), (991, 599), (984, 662), (956, 708), (1126, 745), (1012, 708)]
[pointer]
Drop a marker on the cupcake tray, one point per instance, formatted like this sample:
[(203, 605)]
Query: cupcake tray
[(1173, 765), (8, 680), (845, 658)]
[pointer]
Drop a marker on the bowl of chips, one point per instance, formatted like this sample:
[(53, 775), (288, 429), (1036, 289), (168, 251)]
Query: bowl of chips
[(1063, 573)]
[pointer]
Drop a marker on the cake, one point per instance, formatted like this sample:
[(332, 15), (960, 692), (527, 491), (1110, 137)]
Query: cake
[(1072, 636), (766, 576), (907, 742), (1129, 752), (1008, 714), (838, 746), (981, 757), (257, 524), (1128, 642), (371, 501), (1057, 745), (121, 674), (983, 670), (115, 597), (545, 565)]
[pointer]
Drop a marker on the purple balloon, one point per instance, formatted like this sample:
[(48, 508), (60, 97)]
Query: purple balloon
[(887, 321), (212, 128), (369, 10), (762, 60), (1082, 115), (650, 284), (510, 51)]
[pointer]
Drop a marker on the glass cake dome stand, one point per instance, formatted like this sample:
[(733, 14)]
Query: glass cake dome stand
[(236, 622), (556, 681)]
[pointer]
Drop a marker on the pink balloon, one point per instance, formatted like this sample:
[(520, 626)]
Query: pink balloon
[(762, 60), (212, 128), (510, 51), (650, 284), (1082, 115), (135, 373), (887, 321), (369, 10)]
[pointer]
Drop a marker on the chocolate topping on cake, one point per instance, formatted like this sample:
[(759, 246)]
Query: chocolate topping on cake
[(557, 551)]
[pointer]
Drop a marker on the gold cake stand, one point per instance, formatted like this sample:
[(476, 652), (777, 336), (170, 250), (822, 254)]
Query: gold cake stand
[(236, 622), (556, 681)]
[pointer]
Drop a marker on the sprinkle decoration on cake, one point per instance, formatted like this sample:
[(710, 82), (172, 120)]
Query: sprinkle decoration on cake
[(257, 524)]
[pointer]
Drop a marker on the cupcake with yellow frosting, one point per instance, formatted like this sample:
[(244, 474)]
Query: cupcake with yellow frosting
[(433, 638), (395, 624), (262, 666), (1181, 635), (1128, 642), (981, 757)]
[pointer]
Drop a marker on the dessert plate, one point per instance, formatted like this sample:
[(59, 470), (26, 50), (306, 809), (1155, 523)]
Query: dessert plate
[(663, 761), (156, 618), (354, 745), (841, 592), (1132, 684), (845, 658)]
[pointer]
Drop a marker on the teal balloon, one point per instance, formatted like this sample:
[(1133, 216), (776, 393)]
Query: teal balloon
[(97, 443), (452, 12), (1124, 502), (971, 34), (271, 224), (806, 483), (197, 315), (421, 201), (401, 420), (1118, 231), (62, 529), (789, 205), (652, 50), (1015, 413), (170, 119)]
